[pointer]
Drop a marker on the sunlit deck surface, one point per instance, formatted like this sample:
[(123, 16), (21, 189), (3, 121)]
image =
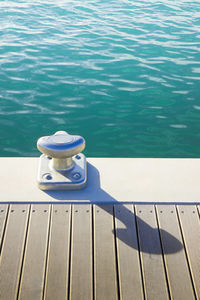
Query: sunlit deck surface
[(78, 247), (99, 252)]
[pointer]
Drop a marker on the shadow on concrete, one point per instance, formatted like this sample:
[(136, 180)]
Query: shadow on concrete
[(92, 193), (136, 232)]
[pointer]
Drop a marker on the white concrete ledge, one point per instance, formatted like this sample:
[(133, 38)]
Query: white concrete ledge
[(110, 180)]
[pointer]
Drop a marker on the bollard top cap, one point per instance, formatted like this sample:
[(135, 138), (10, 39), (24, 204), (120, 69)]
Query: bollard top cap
[(61, 145)]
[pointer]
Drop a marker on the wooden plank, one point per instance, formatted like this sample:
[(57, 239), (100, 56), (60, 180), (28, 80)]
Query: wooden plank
[(190, 224), (105, 277), (128, 257), (58, 258), (12, 252), (155, 285), (81, 254), (176, 264), (32, 280), (3, 214)]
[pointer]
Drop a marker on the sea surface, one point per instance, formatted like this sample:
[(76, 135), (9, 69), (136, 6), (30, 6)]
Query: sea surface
[(124, 74)]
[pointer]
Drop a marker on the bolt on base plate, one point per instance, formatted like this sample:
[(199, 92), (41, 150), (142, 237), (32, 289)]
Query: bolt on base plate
[(73, 179)]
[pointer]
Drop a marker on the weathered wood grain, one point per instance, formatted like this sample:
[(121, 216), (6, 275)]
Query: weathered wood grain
[(155, 285), (104, 254), (33, 273), (190, 225), (58, 256), (130, 281), (12, 251), (81, 285)]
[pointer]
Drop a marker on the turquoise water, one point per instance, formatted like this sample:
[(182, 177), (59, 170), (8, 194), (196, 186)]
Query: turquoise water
[(124, 74)]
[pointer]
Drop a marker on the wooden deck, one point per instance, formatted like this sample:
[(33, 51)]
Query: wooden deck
[(63, 251)]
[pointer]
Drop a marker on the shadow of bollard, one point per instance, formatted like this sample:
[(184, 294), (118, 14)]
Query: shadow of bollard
[(94, 194)]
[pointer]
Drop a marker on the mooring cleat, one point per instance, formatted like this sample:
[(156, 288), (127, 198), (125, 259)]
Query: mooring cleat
[(62, 166)]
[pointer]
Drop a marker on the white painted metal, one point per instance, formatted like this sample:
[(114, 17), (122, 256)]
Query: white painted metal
[(74, 178), (60, 168)]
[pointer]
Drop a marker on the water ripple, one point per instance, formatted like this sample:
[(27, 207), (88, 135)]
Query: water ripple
[(110, 66)]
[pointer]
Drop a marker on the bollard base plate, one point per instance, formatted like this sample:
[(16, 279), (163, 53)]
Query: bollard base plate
[(73, 179)]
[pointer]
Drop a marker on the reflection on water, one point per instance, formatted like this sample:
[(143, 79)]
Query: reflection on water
[(124, 74)]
